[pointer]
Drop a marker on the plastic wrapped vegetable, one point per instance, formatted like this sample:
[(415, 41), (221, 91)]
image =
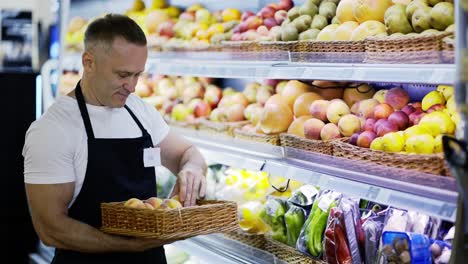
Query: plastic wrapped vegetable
[(335, 243), (304, 196), (396, 220), (372, 233), (311, 237), (294, 219), (249, 218), (273, 214), (354, 232)]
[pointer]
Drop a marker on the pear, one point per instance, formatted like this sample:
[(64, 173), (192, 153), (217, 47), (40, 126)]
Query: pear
[(302, 23), (336, 2), (289, 33), (315, 2), (395, 20), (413, 6), (293, 13), (328, 10), (397, 35), (450, 28), (308, 9), (310, 34), (421, 19), (442, 15), (335, 20), (434, 2), (319, 22), (430, 31)]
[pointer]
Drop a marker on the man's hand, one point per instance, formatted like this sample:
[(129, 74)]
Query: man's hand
[(191, 184)]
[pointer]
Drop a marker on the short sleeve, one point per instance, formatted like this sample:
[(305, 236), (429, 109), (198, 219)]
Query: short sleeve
[(159, 127), (48, 154)]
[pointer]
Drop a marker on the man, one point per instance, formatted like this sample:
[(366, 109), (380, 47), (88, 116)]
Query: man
[(100, 143)]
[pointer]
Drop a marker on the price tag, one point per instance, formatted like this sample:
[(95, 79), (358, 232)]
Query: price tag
[(151, 157), (309, 190), (325, 202), (447, 210), (372, 193)]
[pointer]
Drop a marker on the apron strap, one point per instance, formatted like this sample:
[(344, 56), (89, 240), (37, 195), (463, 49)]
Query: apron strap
[(84, 111), (143, 130)]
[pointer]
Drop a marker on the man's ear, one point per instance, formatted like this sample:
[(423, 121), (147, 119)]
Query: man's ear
[(88, 60)]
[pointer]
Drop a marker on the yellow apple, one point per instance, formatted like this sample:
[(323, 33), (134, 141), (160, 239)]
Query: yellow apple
[(393, 142), (380, 95), (438, 147), (416, 130), (441, 119), (446, 90), (434, 129), (377, 144), (451, 105), (344, 31), (134, 203), (420, 144), (368, 29)]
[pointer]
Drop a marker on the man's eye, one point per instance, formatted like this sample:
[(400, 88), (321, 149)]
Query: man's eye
[(123, 75)]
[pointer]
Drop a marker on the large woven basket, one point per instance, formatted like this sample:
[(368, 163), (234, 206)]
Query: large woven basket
[(287, 253), (273, 46), (319, 146), (331, 51), (184, 124), (240, 46), (253, 240), (404, 49), (448, 50), (226, 128), (270, 139), (206, 218), (431, 163)]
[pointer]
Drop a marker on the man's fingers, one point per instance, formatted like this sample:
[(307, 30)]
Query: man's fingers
[(189, 189), (195, 189), (202, 186), (182, 186)]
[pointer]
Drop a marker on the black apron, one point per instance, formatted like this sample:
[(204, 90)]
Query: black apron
[(115, 172)]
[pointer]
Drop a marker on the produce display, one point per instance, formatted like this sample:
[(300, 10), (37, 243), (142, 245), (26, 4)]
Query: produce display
[(154, 203)]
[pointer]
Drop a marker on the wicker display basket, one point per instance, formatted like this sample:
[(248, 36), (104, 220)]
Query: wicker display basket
[(184, 124), (319, 146), (253, 240), (404, 49), (448, 50), (332, 51), (287, 253), (240, 46), (206, 218), (270, 139), (226, 128), (275, 46), (431, 163)]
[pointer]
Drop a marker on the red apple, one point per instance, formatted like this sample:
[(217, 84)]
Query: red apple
[(378, 123), (271, 82), (253, 22), (416, 116), (386, 127), (365, 139), (436, 107), (213, 95), (285, 4), (246, 15), (266, 12), (353, 139), (202, 109), (243, 26), (274, 6), (188, 16), (330, 131), (236, 37), (280, 16), (369, 124), (400, 119), (312, 128), (397, 98), (382, 111), (166, 29), (416, 104), (270, 22), (263, 30), (408, 109)]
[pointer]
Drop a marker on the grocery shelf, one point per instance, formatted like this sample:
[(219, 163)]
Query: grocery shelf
[(426, 193), (285, 65)]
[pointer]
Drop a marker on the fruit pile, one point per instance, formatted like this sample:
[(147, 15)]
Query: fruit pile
[(153, 203)]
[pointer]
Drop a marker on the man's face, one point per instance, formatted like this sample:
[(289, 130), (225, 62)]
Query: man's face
[(116, 71)]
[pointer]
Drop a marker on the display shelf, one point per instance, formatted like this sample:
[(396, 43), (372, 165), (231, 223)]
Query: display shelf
[(426, 193), (284, 65)]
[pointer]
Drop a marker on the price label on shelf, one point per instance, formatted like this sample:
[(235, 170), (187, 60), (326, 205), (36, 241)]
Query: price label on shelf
[(372, 193), (447, 210)]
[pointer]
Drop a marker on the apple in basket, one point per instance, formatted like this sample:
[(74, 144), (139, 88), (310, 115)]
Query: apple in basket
[(171, 203), (135, 203), (155, 202)]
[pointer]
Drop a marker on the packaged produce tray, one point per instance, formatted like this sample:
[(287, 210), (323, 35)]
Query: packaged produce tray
[(404, 49), (430, 163), (226, 128), (240, 46), (270, 139), (178, 223), (253, 240), (287, 253), (319, 146)]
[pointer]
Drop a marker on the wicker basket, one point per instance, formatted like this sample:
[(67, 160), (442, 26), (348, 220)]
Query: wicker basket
[(432, 163), (287, 253), (209, 217), (172, 122), (274, 46), (240, 46), (226, 128), (319, 146), (332, 51), (253, 240), (448, 50), (414, 49), (270, 139)]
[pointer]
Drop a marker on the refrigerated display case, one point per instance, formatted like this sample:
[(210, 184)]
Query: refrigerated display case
[(435, 196)]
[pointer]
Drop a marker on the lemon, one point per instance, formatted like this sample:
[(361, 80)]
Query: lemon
[(446, 90), (393, 142), (438, 147), (416, 130), (431, 99), (434, 129), (376, 144), (441, 119), (420, 144), (451, 105)]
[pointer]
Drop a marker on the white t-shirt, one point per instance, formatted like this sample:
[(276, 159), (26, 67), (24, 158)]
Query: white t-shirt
[(56, 151)]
